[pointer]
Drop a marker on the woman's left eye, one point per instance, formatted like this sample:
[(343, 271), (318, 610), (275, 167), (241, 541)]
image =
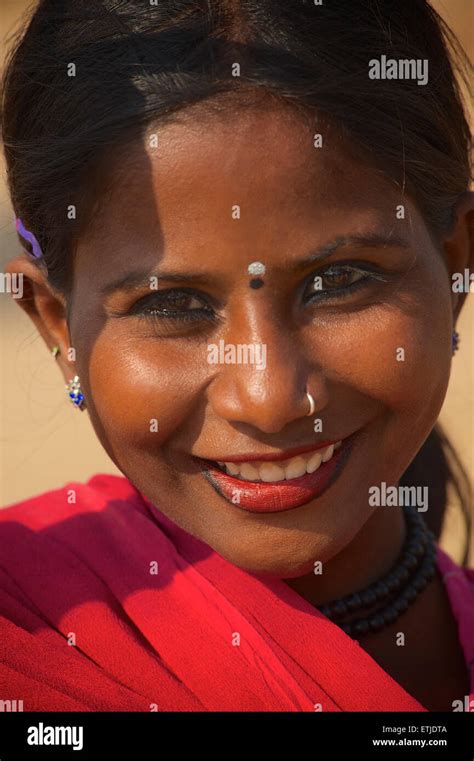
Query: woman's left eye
[(338, 280)]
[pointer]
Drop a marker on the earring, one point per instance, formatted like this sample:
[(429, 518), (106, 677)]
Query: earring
[(455, 341), (55, 351), (75, 393)]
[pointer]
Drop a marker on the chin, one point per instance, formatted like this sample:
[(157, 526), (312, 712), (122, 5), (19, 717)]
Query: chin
[(290, 563)]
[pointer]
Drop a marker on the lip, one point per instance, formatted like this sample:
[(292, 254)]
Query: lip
[(275, 456), (261, 497)]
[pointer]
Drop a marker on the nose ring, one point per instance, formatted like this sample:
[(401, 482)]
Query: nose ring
[(312, 405)]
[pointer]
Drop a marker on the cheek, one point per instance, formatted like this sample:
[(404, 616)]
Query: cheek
[(397, 355), (401, 361), (398, 352), (141, 392)]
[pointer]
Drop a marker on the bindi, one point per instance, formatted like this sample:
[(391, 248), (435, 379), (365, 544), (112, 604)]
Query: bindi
[(256, 268)]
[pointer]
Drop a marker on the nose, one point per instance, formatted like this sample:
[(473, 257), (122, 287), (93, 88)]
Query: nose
[(269, 395)]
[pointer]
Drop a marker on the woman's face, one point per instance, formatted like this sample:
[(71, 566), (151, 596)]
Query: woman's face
[(370, 337)]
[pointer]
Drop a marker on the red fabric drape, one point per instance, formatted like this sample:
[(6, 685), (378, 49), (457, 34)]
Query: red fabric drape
[(86, 624)]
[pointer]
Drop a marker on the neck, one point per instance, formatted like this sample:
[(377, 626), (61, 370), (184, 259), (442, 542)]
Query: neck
[(370, 555)]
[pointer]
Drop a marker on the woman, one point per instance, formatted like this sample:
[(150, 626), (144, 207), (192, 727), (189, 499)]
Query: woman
[(240, 247)]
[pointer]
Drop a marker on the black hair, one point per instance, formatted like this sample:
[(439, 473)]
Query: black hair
[(136, 63)]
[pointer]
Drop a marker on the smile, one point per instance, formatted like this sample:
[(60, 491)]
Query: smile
[(283, 470), (273, 485)]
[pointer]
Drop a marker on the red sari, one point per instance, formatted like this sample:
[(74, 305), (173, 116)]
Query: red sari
[(86, 624)]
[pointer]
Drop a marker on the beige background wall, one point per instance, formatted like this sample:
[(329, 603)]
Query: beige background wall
[(45, 442)]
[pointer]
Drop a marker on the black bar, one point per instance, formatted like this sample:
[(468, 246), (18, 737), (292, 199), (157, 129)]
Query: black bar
[(314, 736)]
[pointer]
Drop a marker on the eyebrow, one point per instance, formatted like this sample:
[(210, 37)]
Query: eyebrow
[(140, 279), (354, 241)]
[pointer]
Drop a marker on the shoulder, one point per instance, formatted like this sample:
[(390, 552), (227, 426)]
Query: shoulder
[(459, 585), (450, 570), (72, 499), (64, 533)]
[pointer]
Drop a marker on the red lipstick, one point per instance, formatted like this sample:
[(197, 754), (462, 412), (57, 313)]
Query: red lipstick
[(262, 497)]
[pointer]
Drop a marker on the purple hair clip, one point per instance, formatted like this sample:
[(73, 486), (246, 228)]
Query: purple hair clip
[(21, 229)]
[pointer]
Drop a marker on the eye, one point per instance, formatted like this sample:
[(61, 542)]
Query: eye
[(339, 280), (174, 304)]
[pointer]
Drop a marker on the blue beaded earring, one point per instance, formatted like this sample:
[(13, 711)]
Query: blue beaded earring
[(455, 341), (75, 393), (73, 387)]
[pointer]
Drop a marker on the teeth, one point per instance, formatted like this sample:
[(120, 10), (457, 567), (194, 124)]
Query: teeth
[(295, 468), (232, 468), (328, 453), (270, 472), (314, 462), (249, 472)]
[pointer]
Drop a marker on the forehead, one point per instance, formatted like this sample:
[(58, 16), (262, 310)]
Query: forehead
[(271, 149), (256, 177)]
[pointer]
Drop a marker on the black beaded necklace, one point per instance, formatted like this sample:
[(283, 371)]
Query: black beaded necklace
[(386, 599)]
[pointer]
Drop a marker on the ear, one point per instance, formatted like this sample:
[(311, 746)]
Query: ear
[(46, 307), (458, 246)]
